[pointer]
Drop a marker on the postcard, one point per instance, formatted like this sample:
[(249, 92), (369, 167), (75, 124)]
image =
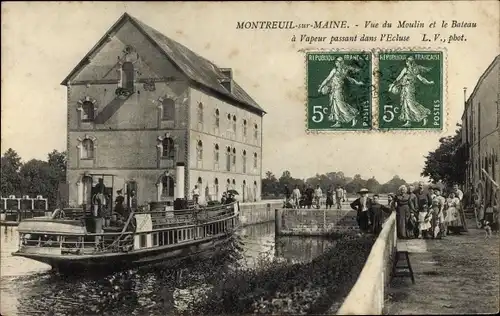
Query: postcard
[(235, 158)]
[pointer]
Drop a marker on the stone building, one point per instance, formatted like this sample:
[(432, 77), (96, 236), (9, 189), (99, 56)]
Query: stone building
[(481, 134), (161, 119)]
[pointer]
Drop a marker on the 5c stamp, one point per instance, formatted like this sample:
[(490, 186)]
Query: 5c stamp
[(410, 91), (339, 91)]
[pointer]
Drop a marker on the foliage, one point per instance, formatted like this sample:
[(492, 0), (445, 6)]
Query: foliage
[(34, 177), (447, 163), (10, 179), (274, 188), (301, 288)]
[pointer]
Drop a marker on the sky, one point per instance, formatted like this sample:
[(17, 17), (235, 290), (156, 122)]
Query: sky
[(42, 42)]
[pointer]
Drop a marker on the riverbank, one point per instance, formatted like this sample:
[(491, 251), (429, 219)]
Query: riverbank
[(301, 288), (456, 275)]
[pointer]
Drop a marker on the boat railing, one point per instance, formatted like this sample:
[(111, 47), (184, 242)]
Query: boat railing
[(88, 243)]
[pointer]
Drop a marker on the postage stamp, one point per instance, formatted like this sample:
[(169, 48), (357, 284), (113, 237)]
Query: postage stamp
[(339, 86), (410, 90)]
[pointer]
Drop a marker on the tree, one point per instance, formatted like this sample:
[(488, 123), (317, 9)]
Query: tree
[(10, 179), (393, 185), (373, 185), (447, 162)]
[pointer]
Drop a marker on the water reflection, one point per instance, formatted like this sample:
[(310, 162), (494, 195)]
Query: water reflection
[(31, 288)]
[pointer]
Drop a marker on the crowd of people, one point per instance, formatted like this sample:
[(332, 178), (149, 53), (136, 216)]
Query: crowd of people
[(420, 213), (309, 197)]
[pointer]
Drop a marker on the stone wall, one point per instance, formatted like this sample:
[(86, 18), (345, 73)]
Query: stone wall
[(258, 212), (314, 222)]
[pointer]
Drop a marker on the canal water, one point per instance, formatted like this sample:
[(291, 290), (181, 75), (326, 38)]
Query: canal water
[(31, 288)]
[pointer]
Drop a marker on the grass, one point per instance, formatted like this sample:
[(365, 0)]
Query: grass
[(277, 288)]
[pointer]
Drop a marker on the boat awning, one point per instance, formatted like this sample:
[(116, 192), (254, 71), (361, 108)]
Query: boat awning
[(50, 226)]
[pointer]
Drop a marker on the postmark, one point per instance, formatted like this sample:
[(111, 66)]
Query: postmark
[(410, 90), (339, 86)]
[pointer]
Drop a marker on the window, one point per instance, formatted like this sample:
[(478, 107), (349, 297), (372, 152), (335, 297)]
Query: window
[(199, 154), (200, 116), (244, 190), (87, 149), (217, 119), (234, 159), (228, 159), (216, 157), (255, 161), (228, 184), (87, 111), (234, 184), (244, 161), (168, 150), (256, 133), (143, 240), (244, 129), (168, 108), (234, 124), (216, 186), (167, 190), (128, 76)]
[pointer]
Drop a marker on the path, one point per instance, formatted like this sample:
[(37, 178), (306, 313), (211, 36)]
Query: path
[(455, 275)]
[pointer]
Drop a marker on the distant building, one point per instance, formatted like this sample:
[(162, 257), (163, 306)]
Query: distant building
[(161, 118), (481, 133)]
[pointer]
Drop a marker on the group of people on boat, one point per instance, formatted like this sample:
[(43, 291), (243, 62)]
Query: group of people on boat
[(309, 197), (420, 213)]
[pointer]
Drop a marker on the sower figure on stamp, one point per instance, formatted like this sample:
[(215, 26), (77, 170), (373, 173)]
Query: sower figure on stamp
[(333, 85), (361, 205), (405, 83)]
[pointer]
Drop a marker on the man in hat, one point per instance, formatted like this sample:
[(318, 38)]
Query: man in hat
[(361, 205)]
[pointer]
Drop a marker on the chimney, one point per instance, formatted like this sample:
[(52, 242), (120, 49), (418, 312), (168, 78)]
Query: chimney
[(227, 79)]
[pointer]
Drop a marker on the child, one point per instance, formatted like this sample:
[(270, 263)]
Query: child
[(376, 214), (424, 221), (487, 228)]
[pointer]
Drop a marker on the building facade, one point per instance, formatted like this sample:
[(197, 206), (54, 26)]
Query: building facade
[(161, 119), (481, 135)]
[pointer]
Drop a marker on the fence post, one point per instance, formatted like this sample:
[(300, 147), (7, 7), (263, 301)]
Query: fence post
[(277, 221)]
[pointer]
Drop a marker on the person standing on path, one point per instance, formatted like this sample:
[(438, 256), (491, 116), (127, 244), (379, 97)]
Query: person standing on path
[(318, 194), (329, 197), (287, 194), (296, 197), (377, 213), (339, 196), (401, 203), (361, 205), (438, 203), (309, 193)]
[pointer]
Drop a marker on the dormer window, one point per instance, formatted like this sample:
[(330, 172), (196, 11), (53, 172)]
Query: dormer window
[(227, 79)]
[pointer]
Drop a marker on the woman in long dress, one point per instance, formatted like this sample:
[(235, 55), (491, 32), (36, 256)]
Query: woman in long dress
[(401, 203), (411, 109), (452, 218), (438, 204), (340, 110)]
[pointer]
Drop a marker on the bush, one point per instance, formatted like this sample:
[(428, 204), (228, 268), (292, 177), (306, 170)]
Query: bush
[(301, 288)]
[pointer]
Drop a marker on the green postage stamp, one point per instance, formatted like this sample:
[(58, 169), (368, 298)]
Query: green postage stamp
[(410, 90), (339, 86)]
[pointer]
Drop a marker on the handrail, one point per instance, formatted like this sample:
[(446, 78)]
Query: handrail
[(367, 295), (127, 233)]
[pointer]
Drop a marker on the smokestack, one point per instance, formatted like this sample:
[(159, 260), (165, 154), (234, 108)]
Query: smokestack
[(179, 180)]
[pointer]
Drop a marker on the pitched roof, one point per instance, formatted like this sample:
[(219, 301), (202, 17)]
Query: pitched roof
[(195, 67)]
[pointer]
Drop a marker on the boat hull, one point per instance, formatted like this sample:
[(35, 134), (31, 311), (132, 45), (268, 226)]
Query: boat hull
[(125, 260)]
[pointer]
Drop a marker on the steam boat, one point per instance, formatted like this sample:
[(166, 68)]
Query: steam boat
[(80, 239)]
